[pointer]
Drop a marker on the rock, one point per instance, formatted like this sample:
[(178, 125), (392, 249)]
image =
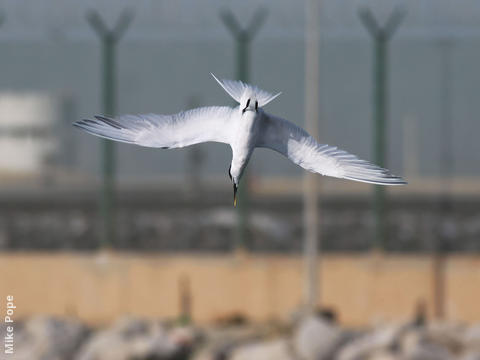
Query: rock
[(137, 339), (470, 355), (317, 339), (471, 338), (384, 355), (185, 336), (448, 335), (368, 345), (270, 350), (49, 338), (416, 345), (409, 340), (223, 341), (428, 351)]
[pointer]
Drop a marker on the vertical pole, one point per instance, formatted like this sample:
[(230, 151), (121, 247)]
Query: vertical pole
[(446, 167), (380, 97), (243, 38), (108, 147), (109, 39), (410, 147), (310, 181), (69, 158), (185, 299), (446, 126), (243, 57), (381, 36), (243, 191)]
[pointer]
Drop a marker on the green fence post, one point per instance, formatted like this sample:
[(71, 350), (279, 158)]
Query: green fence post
[(381, 36), (243, 38), (108, 38)]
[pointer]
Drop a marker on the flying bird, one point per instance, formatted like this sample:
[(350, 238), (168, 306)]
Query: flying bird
[(244, 127)]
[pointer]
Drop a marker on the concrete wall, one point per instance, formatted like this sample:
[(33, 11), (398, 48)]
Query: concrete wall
[(362, 288)]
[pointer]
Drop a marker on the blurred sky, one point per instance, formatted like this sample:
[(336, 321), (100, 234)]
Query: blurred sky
[(169, 50), (184, 19)]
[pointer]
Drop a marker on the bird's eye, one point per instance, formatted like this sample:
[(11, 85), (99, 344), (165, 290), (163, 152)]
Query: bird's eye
[(256, 105), (248, 103)]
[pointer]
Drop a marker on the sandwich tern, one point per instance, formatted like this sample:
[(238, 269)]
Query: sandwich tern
[(244, 128)]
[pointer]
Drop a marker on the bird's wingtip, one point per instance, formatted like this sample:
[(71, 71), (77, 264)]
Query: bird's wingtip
[(216, 79), (79, 123)]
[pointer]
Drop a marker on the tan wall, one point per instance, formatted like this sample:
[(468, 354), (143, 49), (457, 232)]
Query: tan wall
[(362, 288)]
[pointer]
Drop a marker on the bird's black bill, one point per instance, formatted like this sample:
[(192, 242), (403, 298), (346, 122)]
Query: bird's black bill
[(246, 107), (235, 195)]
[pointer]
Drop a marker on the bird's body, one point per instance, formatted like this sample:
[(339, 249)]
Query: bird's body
[(244, 141), (244, 128)]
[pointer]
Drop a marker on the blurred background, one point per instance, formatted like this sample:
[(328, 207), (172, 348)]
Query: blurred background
[(122, 252)]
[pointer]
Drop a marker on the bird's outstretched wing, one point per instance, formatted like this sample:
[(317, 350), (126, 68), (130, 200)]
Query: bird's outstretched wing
[(164, 131), (297, 145)]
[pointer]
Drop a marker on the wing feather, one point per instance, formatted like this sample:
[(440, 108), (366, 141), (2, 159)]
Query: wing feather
[(302, 149), (164, 131)]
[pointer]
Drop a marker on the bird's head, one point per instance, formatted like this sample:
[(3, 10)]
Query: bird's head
[(250, 98), (248, 102)]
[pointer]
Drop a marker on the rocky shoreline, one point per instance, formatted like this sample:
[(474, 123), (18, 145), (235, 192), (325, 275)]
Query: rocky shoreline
[(304, 338)]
